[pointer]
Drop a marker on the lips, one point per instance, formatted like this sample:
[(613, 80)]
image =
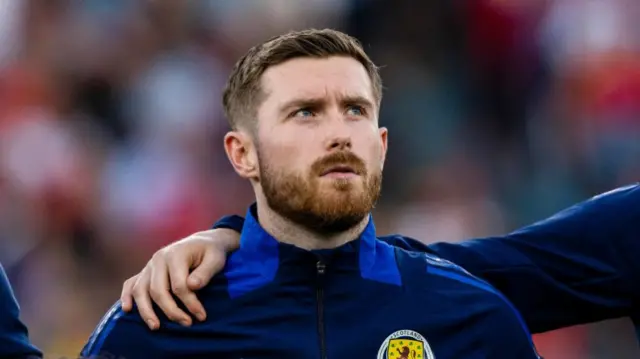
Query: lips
[(339, 169)]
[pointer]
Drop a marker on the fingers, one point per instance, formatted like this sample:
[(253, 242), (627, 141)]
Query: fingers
[(194, 282), (161, 294), (168, 270), (212, 263), (143, 301), (178, 270), (126, 297)]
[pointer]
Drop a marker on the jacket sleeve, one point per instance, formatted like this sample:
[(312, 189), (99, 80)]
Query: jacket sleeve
[(578, 266), (124, 335), (14, 337)]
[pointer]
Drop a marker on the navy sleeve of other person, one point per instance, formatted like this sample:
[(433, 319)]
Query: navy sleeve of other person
[(14, 337)]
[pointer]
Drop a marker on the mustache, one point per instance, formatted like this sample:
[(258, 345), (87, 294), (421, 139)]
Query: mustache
[(342, 158)]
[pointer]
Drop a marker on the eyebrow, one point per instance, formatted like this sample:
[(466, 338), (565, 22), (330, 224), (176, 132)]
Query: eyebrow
[(317, 102)]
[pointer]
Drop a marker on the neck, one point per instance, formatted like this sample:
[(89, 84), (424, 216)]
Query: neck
[(286, 231)]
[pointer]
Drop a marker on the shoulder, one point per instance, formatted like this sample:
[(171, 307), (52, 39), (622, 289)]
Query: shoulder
[(105, 331), (422, 266), (117, 325), (432, 274), (406, 243), (418, 260), (121, 334), (449, 286)]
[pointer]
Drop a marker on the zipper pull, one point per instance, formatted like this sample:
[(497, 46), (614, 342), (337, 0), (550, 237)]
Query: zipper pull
[(320, 268)]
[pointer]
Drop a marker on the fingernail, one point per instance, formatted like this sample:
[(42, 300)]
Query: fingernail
[(184, 322), (151, 324), (200, 316), (195, 281)]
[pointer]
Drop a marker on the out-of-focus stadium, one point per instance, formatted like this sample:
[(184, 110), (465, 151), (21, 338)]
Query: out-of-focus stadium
[(500, 113)]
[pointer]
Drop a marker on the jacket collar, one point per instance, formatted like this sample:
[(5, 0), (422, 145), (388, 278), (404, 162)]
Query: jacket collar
[(374, 258), (255, 239)]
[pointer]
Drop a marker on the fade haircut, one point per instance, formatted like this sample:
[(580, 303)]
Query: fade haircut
[(243, 93)]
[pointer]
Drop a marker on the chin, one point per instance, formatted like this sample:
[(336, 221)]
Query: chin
[(344, 184), (340, 195)]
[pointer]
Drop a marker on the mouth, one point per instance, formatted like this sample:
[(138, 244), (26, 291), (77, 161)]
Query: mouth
[(339, 171)]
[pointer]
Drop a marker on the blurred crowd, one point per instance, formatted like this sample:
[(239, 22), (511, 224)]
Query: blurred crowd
[(500, 113)]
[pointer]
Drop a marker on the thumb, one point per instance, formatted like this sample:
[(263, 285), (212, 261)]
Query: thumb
[(212, 263)]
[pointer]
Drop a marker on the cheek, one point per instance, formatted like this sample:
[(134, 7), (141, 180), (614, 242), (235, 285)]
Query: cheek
[(283, 156), (371, 149)]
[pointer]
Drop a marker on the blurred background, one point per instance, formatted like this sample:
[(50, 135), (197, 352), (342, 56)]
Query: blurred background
[(500, 113)]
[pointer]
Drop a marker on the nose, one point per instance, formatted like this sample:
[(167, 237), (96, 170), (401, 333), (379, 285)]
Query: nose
[(340, 143), (339, 134)]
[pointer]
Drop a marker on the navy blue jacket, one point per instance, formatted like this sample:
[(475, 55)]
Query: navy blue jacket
[(14, 337), (366, 299), (579, 266)]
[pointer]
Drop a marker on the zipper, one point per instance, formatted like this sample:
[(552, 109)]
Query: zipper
[(320, 272)]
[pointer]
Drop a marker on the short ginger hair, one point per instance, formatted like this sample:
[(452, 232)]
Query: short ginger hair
[(243, 94)]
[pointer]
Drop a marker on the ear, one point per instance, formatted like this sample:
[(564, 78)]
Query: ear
[(242, 154), (384, 134)]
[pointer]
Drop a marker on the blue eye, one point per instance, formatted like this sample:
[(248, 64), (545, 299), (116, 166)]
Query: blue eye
[(355, 111), (305, 112)]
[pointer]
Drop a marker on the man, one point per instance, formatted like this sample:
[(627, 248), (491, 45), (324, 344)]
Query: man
[(303, 107), (578, 266), (14, 337)]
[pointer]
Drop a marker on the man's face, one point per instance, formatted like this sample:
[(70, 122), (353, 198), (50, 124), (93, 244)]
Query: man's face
[(319, 148)]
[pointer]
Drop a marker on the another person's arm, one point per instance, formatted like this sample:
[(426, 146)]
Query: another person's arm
[(578, 266), (575, 267), (14, 336)]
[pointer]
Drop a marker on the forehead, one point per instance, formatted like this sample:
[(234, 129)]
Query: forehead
[(311, 77)]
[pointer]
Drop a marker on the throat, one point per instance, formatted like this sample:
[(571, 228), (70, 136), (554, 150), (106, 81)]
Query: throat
[(290, 232)]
